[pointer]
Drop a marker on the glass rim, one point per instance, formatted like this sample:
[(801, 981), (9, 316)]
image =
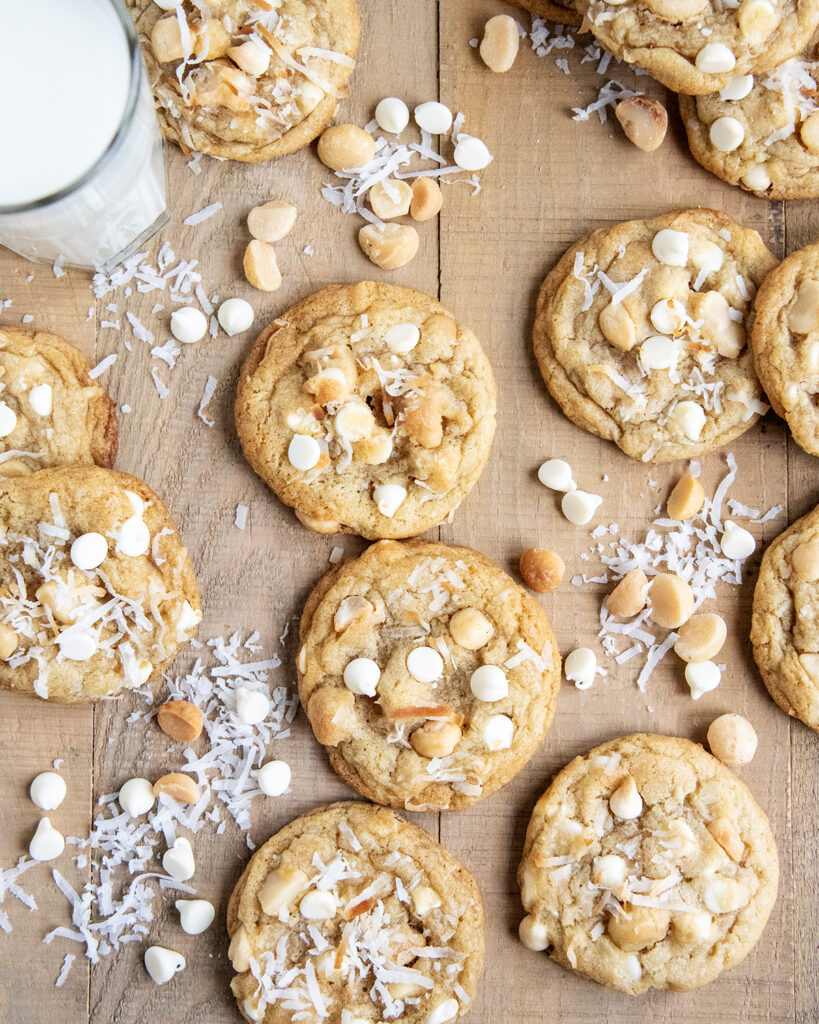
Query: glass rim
[(134, 86)]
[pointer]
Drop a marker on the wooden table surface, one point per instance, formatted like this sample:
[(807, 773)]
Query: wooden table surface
[(552, 180)]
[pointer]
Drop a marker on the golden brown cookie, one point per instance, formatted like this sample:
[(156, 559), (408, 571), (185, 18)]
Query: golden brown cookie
[(51, 412), (351, 914), (785, 342), (96, 590), (785, 623), (368, 409), (430, 676), (252, 81), (641, 332), (761, 131), (698, 46), (647, 864), (552, 10)]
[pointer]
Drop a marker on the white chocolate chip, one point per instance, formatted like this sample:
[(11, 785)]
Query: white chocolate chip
[(757, 178), (48, 790), (162, 964), (715, 58), (580, 667), (707, 257), (736, 542), (46, 843), (318, 905), (133, 537), (136, 797), (178, 861), (579, 506), (499, 732), (625, 802), (433, 117), (252, 706), (77, 646), (8, 419), (690, 417), (389, 498), (609, 872), (737, 88), (189, 619), (671, 247), (489, 683), (726, 134), (556, 474), (89, 551), (41, 399), (471, 154), (533, 933), (195, 916), (668, 316), (725, 896), (702, 677), (361, 676), (188, 325), (392, 115), (273, 778), (235, 316), (136, 502), (658, 353), (251, 57), (303, 452), (402, 338), (443, 1012), (425, 665), (631, 965)]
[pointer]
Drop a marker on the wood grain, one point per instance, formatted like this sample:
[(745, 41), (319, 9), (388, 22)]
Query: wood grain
[(552, 180)]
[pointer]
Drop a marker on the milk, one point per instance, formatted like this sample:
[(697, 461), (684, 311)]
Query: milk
[(81, 169)]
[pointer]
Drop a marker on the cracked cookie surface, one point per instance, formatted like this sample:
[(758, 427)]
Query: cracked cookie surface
[(247, 79), (51, 412), (96, 589), (641, 333), (368, 409), (352, 913), (647, 864), (785, 622), (459, 679)]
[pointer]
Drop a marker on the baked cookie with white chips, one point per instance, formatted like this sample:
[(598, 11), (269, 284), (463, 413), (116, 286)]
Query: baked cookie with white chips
[(761, 131), (647, 864), (96, 589), (785, 623), (351, 915), (785, 342), (51, 411), (368, 409), (641, 333), (247, 79), (698, 46), (429, 675)]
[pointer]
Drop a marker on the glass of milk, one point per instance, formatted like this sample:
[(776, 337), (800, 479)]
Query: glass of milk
[(82, 176)]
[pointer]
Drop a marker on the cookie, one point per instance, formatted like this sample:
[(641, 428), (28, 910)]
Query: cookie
[(785, 342), (253, 80), (785, 622), (368, 409), (761, 131), (641, 332), (351, 915), (430, 676), (647, 864), (553, 10), (51, 412), (96, 590), (699, 46)]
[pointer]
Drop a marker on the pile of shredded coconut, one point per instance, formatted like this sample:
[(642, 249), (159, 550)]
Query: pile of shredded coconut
[(115, 908), (690, 549)]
